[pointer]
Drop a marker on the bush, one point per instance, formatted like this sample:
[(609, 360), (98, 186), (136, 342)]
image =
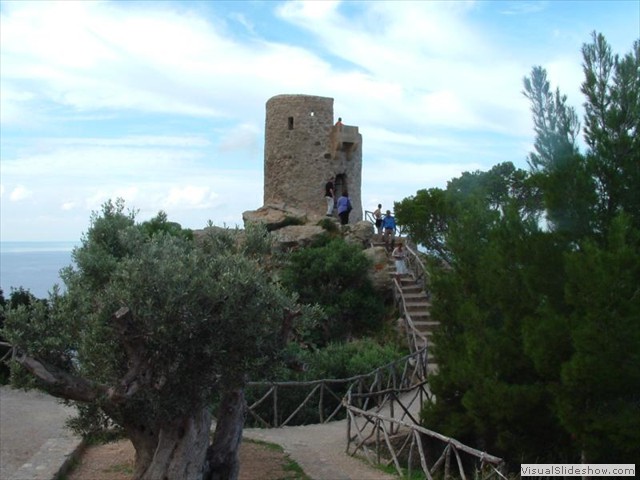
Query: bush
[(337, 361), (334, 274), (329, 225)]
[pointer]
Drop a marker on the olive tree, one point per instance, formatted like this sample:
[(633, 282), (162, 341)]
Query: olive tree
[(152, 327)]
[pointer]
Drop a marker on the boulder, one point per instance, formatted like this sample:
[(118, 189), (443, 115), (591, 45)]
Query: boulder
[(379, 272), (275, 216), (359, 233), (294, 236)]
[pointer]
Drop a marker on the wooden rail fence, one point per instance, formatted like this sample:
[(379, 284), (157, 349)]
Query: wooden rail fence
[(384, 438), (326, 395)]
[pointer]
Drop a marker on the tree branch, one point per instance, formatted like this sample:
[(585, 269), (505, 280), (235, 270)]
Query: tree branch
[(60, 383), (139, 372), (287, 323)]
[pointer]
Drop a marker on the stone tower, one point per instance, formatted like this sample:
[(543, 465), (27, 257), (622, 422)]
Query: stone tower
[(303, 149)]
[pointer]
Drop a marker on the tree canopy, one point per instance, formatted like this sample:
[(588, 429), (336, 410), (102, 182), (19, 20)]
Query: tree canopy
[(151, 328), (539, 303)]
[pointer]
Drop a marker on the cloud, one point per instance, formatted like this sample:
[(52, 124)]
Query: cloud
[(522, 7), (163, 102), (416, 64), (92, 56), (19, 193), (190, 196), (75, 176), (243, 137)]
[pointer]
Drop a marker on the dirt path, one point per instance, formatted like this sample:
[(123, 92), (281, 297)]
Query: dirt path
[(320, 451), (27, 421), (114, 461)]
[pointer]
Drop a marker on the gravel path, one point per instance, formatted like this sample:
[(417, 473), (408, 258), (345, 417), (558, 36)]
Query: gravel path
[(27, 421), (320, 451)]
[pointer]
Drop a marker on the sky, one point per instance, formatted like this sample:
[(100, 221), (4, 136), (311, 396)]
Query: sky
[(163, 103)]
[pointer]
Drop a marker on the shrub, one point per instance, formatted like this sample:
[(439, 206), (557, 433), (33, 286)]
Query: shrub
[(337, 361), (333, 274)]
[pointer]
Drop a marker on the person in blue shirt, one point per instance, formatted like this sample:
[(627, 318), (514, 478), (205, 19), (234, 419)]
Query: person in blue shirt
[(389, 227), (344, 207)]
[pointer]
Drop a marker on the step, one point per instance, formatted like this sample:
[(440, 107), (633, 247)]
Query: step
[(419, 314), (419, 308), (416, 298), (425, 324), (418, 301)]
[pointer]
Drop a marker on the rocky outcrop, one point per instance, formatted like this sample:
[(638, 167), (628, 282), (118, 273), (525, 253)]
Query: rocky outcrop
[(359, 233), (295, 236), (275, 217), (379, 272), (292, 228)]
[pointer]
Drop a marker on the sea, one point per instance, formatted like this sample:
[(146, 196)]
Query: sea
[(35, 266)]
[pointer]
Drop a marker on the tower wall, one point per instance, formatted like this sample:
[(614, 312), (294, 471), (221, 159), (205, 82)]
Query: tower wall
[(303, 150)]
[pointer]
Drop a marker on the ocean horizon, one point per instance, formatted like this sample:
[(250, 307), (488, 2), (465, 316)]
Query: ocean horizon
[(34, 266)]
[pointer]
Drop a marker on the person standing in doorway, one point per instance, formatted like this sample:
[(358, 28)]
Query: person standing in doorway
[(344, 207), (329, 196)]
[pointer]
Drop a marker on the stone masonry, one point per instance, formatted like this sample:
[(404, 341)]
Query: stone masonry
[(303, 149)]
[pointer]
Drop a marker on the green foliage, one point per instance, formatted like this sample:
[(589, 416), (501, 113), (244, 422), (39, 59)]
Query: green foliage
[(4, 369), (599, 393), (291, 467), (286, 221), (334, 275), (426, 217), (431, 216), (94, 425), (343, 360), (329, 225), (338, 360), (539, 344), (612, 129), (197, 318), (160, 223), (559, 170)]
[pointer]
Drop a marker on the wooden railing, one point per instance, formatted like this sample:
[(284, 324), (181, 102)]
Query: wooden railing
[(383, 438), (327, 395), (416, 266), (369, 217)]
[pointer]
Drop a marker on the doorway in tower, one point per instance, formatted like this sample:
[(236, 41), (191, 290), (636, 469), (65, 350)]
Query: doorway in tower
[(340, 184)]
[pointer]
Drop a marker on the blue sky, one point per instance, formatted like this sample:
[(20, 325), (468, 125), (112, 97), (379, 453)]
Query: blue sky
[(163, 103)]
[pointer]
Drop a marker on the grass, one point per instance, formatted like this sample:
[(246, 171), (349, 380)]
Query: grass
[(289, 465), (121, 468)]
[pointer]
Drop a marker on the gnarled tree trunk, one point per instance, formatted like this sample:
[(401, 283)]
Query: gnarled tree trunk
[(177, 451), (180, 449), (222, 457)]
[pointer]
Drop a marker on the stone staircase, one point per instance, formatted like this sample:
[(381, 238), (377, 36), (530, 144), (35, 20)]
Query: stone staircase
[(416, 300)]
